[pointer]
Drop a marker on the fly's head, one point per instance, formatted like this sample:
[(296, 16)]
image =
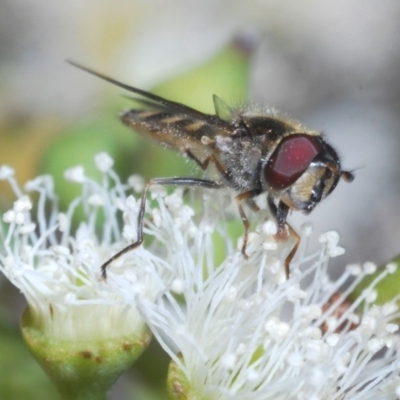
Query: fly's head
[(303, 170)]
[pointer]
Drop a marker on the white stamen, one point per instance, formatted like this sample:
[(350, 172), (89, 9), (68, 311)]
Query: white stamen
[(178, 286), (333, 339), (76, 174), (96, 200), (369, 268), (354, 269), (6, 172), (392, 328), (63, 222), (28, 228), (9, 216), (60, 250), (136, 182), (391, 268), (103, 162), (228, 361), (19, 218), (22, 204), (269, 228)]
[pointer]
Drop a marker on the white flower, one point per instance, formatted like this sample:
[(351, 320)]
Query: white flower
[(58, 268), (244, 332)]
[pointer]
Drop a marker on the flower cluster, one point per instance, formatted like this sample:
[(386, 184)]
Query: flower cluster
[(235, 329), (56, 266), (245, 334)]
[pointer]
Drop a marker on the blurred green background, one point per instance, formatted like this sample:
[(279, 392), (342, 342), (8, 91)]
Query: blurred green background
[(333, 65)]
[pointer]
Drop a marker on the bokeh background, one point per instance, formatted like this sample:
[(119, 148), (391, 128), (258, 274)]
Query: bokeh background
[(333, 65)]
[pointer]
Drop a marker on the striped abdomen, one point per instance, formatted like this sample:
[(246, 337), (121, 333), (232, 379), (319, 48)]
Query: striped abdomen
[(178, 131)]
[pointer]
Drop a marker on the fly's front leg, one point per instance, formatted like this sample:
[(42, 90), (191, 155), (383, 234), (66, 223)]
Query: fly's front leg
[(292, 253), (280, 213), (189, 182), (239, 198)]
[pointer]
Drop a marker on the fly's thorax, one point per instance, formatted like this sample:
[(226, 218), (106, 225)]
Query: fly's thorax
[(241, 159)]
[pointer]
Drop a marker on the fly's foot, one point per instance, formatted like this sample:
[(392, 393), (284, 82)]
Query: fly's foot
[(282, 235)]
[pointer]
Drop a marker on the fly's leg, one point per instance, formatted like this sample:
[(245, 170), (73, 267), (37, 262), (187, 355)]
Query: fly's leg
[(292, 253), (239, 199), (249, 196), (177, 181), (280, 213), (204, 164)]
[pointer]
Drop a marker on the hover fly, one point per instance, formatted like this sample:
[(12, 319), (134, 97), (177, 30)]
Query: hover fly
[(252, 153)]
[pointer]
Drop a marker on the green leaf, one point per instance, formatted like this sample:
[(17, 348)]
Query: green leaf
[(226, 74)]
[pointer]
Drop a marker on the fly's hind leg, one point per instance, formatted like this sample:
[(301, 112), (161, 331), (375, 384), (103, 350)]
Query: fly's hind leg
[(280, 213), (177, 181)]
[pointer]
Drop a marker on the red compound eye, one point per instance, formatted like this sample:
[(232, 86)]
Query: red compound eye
[(291, 158)]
